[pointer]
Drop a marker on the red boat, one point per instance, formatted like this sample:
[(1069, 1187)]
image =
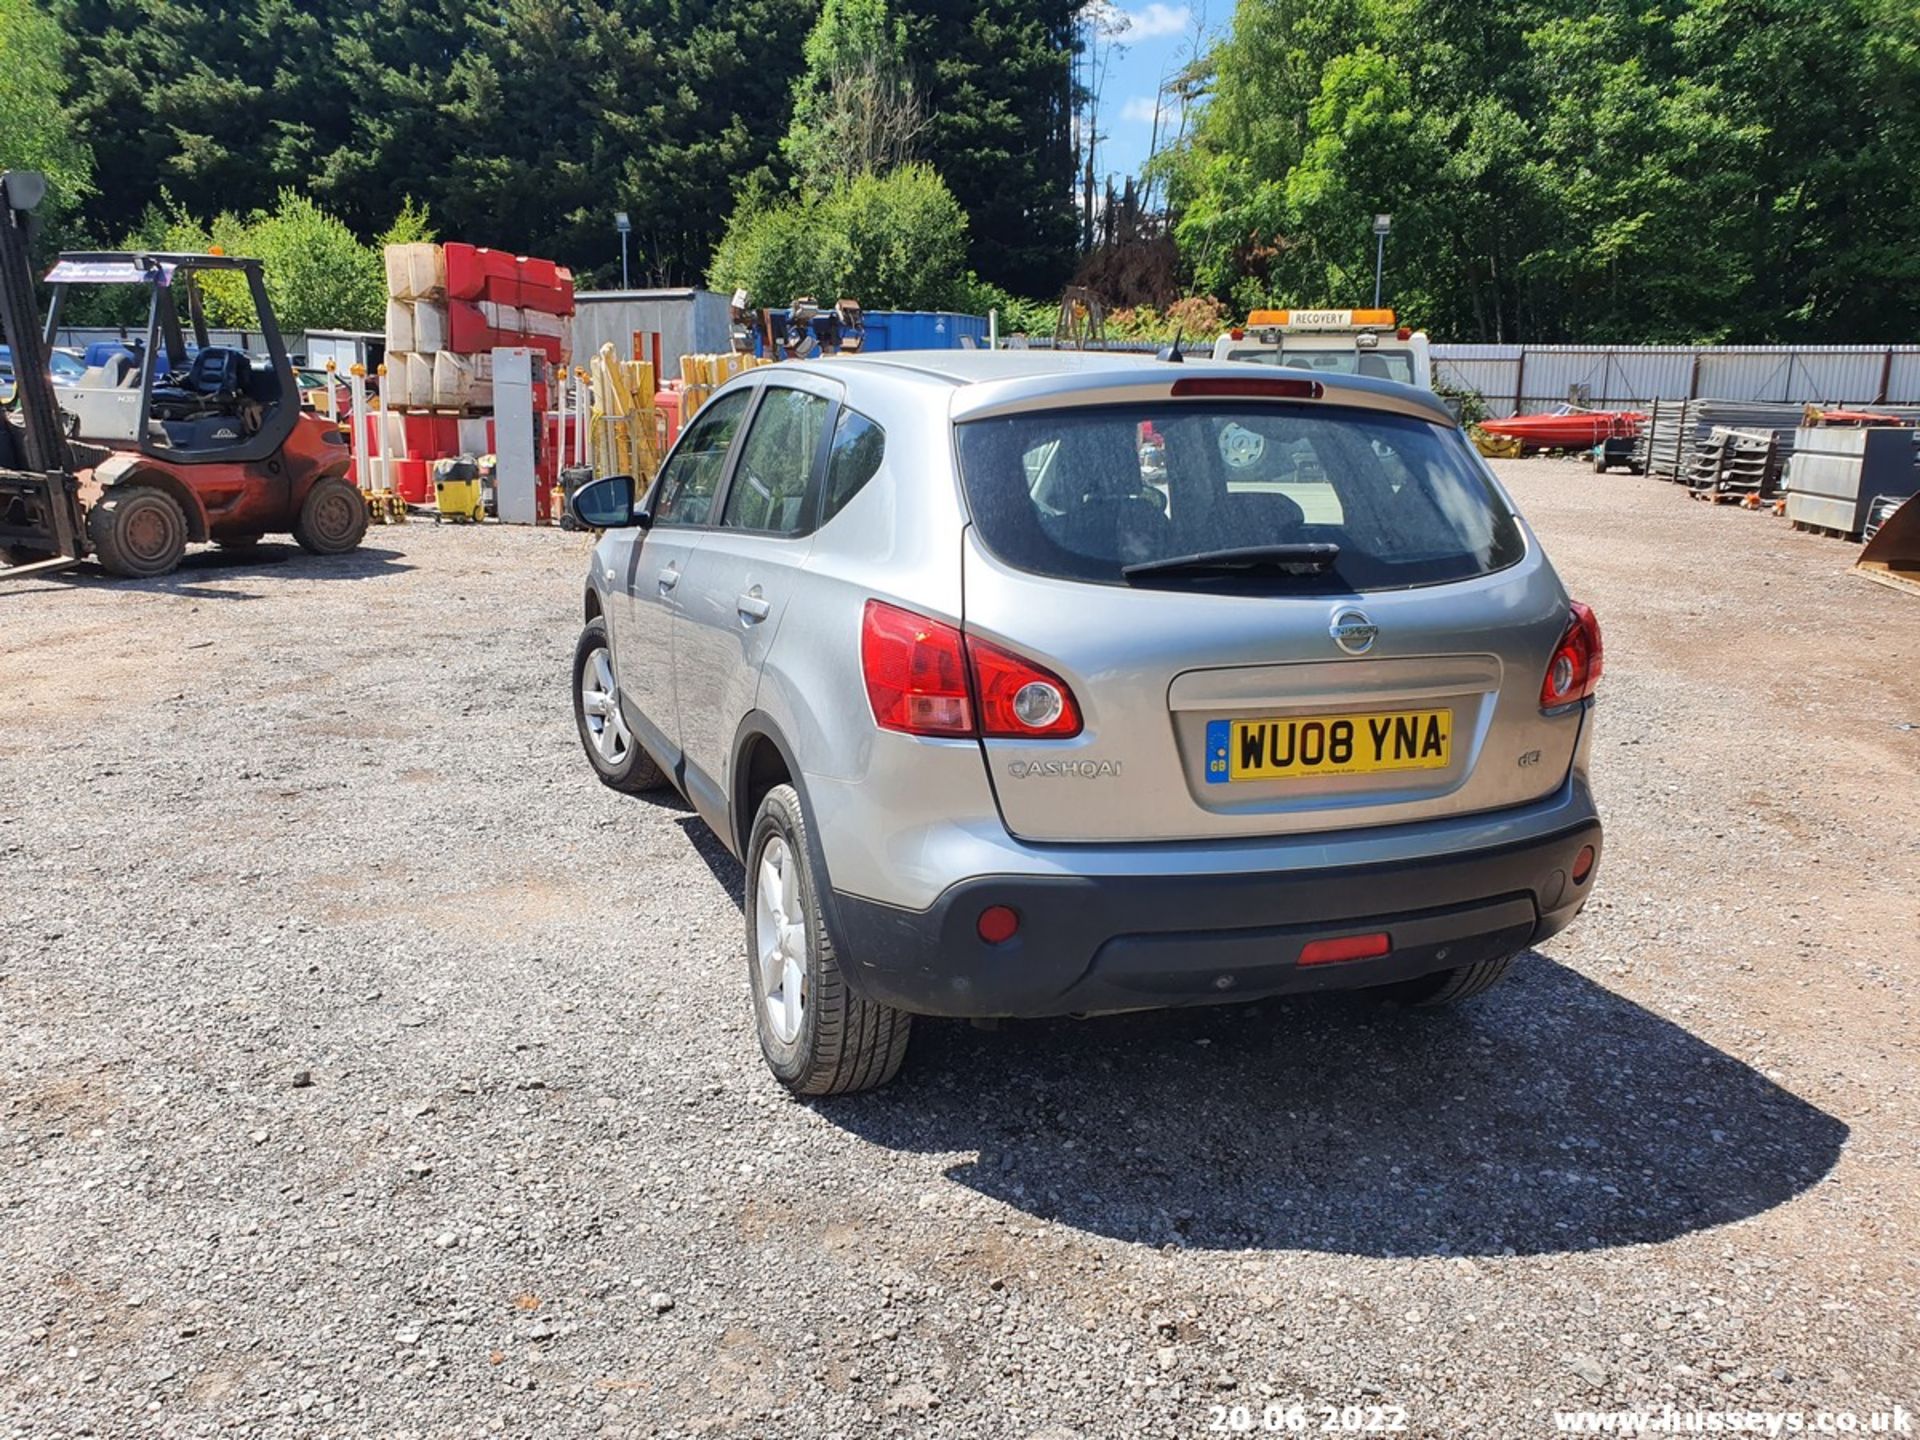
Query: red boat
[(1569, 429)]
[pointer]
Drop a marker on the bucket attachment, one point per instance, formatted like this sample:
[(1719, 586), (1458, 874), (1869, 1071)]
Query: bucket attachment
[(1892, 556)]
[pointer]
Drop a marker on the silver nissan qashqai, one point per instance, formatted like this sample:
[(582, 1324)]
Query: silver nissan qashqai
[(1032, 684)]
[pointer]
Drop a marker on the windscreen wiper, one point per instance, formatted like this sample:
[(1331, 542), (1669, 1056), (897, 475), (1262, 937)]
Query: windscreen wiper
[(1304, 559)]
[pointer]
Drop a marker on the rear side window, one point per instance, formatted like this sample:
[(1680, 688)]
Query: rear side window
[(858, 445), (769, 489), (1082, 494), (692, 473)]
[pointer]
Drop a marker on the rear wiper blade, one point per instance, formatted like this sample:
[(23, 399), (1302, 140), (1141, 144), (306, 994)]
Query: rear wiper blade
[(1303, 559)]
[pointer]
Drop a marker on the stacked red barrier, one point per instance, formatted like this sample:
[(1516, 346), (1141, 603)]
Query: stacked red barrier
[(494, 298), (451, 306)]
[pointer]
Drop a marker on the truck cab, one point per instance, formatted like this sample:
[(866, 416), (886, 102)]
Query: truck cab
[(1343, 342)]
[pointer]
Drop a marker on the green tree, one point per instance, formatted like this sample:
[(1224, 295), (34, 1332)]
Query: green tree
[(854, 108), (1628, 169), (894, 242), (37, 132), (996, 80), (318, 276)]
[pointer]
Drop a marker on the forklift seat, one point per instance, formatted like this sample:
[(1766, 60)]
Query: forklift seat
[(116, 371), (219, 371)]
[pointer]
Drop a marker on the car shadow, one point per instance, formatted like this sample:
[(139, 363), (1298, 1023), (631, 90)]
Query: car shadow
[(200, 564), (707, 846), (1549, 1115)]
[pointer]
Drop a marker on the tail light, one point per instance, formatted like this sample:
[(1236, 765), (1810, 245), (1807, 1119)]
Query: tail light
[(916, 672), (924, 677), (1575, 667)]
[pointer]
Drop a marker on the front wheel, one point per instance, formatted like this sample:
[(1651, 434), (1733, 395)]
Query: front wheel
[(137, 531), (819, 1038), (611, 748), (1448, 987), (332, 519)]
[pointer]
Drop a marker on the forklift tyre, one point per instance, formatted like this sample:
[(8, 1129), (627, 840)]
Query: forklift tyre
[(138, 531), (333, 518)]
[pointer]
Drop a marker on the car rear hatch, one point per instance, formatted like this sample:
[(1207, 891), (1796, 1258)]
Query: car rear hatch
[(1370, 653)]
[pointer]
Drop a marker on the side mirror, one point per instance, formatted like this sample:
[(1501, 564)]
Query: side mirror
[(606, 504)]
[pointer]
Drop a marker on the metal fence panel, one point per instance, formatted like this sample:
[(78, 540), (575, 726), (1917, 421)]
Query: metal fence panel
[(1838, 375), (1652, 372), (1531, 378), (1744, 374), (1489, 369), (1903, 377)]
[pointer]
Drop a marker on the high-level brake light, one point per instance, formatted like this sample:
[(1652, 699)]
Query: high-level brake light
[(1252, 388)]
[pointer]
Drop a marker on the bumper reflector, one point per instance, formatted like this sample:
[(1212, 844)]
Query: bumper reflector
[(1347, 947), (998, 924), (1583, 864)]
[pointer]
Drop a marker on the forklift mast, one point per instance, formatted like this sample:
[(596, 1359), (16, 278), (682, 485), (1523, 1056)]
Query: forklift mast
[(44, 446), (40, 515)]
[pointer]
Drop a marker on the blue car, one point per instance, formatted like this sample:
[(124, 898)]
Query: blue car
[(67, 369)]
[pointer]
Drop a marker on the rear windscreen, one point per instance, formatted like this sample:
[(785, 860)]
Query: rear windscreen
[(1081, 494), (1379, 364)]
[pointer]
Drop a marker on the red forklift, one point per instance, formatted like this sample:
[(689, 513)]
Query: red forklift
[(160, 444)]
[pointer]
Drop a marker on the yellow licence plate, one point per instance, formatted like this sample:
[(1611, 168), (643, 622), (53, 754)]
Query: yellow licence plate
[(1328, 745)]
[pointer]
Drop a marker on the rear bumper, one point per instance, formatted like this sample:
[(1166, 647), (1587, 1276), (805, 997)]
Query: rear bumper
[(1118, 942)]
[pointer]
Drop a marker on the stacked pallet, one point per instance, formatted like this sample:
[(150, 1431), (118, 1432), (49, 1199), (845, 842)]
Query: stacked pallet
[(1678, 436), (700, 375), (1731, 465), (449, 307)]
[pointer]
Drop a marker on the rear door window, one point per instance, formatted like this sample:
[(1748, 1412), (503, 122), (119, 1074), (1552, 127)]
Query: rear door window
[(1083, 494), (769, 487)]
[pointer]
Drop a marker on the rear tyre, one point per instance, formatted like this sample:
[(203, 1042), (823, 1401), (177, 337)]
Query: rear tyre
[(1448, 987), (819, 1038), (138, 531), (611, 748), (333, 518)]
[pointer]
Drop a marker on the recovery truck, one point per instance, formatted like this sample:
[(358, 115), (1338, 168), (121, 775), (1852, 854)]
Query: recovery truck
[(1345, 342)]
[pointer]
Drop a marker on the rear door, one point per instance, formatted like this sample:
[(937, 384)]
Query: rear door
[(682, 506), (1400, 683), (735, 588)]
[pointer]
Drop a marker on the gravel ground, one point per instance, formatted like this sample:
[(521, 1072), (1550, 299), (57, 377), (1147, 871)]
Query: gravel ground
[(369, 1070)]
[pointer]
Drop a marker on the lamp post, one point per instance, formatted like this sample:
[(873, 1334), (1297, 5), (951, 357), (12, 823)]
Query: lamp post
[(1381, 225), (625, 227)]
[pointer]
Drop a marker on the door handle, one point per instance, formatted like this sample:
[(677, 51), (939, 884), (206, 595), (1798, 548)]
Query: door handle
[(753, 607), (669, 578)]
